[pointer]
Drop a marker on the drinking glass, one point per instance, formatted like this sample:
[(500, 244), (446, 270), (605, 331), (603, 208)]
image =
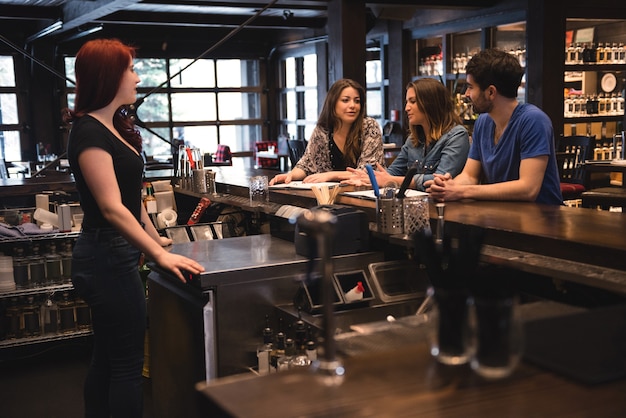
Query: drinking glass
[(450, 325), (259, 190), (498, 334)]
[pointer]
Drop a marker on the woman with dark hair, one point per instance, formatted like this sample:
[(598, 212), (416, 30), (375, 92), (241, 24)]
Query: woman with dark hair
[(437, 142), (344, 137), (104, 151)]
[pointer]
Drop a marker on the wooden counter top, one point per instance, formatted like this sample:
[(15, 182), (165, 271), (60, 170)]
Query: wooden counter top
[(408, 382)]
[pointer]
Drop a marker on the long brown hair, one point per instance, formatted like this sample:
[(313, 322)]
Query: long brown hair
[(434, 100), (329, 121), (99, 67)]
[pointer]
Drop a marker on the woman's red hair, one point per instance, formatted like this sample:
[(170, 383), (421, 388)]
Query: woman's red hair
[(99, 67)]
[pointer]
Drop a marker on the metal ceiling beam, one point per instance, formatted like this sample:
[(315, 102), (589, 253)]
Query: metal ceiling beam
[(80, 12)]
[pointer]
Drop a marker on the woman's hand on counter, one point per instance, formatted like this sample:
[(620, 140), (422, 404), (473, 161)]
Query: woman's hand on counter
[(281, 178), (178, 264)]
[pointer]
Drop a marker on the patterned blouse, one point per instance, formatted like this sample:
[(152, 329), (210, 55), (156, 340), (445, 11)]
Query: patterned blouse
[(316, 158)]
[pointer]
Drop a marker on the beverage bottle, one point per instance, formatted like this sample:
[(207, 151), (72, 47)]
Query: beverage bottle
[(264, 351), (13, 318), (277, 352), (614, 53), (608, 54), (570, 54), (20, 269), (53, 265), (49, 315), (67, 314), (621, 53), (150, 203), (36, 267), (579, 54), (31, 318), (83, 314), (66, 261), (600, 53), (602, 104), (285, 360)]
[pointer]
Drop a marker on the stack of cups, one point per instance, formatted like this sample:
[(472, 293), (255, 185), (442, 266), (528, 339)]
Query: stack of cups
[(6, 273)]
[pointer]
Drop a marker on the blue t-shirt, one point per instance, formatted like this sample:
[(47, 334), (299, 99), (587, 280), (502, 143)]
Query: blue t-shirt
[(528, 134), (446, 155)]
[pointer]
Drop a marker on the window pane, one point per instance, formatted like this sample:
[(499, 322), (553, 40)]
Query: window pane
[(310, 105), (7, 72), (199, 74), (237, 106), (193, 106), (151, 71), (237, 73), (8, 108), (290, 72), (201, 137), (240, 138), (154, 108), (374, 105), (308, 131), (373, 72), (71, 98), (310, 70), (153, 145), (291, 105), (69, 71), (12, 148)]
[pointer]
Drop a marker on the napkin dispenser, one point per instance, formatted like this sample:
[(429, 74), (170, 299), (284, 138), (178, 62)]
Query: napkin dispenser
[(351, 233)]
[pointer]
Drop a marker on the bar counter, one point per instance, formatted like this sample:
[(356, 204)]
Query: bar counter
[(576, 244)]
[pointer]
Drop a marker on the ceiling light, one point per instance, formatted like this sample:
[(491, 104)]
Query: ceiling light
[(46, 31)]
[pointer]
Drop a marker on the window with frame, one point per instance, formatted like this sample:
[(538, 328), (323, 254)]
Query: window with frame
[(298, 107), (298, 104), (10, 146), (202, 102)]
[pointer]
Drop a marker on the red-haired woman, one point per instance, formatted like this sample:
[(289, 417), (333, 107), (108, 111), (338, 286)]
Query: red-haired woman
[(104, 152)]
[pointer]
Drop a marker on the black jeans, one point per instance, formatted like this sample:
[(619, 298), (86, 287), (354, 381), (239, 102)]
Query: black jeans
[(105, 273)]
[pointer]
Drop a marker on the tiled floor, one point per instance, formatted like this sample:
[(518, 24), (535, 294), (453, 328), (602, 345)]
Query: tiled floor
[(49, 382)]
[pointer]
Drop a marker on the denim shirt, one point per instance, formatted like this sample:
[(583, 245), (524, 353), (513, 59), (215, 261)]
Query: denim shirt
[(446, 155)]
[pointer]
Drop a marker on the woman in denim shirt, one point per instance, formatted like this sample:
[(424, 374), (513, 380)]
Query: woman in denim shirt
[(437, 142)]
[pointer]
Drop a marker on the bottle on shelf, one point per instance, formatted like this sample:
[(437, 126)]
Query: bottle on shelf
[(67, 314), (570, 54), (36, 266), (579, 54), (614, 53), (150, 203), (13, 318), (53, 265), (277, 352), (621, 53), (66, 261), (49, 315), (20, 268), (286, 359), (83, 314), (265, 349), (600, 53), (608, 53), (31, 316)]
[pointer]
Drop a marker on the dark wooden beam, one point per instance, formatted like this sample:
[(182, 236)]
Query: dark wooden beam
[(346, 35)]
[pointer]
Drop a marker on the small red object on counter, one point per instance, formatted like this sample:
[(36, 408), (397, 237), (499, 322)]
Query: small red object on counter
[(356, 293), (198, 211)]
